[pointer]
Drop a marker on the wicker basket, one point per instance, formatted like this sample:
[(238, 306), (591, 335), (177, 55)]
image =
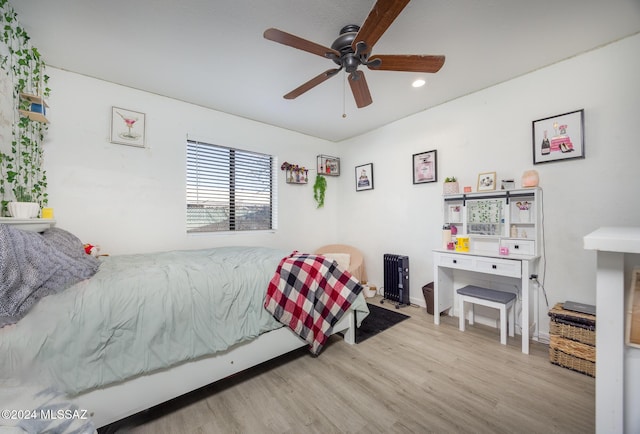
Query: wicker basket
[(565, 360), (572, 340), (577, 349), (572, 332)]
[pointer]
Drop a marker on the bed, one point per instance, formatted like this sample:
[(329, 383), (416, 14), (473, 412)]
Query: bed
[(143, 329)]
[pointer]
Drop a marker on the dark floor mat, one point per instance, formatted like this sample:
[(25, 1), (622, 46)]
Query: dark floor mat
[(378, 320)]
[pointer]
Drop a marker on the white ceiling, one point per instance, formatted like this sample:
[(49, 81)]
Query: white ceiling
[(212, 53)]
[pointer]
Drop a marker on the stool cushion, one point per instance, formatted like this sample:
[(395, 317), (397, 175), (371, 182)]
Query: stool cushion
[(487, 294)]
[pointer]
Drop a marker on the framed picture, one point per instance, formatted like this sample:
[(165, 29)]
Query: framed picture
[(328, 165), (425, 167), (364, 177), (558, 137), (487, 181), (127, 127)]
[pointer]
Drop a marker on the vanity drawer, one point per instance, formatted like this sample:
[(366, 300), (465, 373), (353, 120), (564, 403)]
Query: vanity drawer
[(456, 261), (520, 247), (502, 267)]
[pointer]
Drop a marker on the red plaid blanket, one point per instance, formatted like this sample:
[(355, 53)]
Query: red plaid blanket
[(309, 294)]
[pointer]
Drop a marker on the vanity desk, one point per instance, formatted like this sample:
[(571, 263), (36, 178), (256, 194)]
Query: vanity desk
[(495, 237), (519, 267)]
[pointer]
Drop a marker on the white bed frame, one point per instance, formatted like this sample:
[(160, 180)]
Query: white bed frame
[(115, 402), (112, 403)]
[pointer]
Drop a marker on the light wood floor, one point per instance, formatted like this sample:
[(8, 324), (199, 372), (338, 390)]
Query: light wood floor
[(412, 378)]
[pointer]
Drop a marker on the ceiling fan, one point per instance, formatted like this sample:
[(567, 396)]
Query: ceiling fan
[(353, 48)]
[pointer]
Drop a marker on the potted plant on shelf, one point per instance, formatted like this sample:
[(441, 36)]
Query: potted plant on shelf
[(450, 185), (23, 207)]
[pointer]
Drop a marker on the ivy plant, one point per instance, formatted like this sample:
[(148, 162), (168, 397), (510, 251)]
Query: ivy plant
[(319, 189), (23, 177)]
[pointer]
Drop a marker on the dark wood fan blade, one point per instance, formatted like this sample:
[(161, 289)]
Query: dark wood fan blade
[(384, 12), (311, 83), (360, 89), (294, 41), (408, 62)]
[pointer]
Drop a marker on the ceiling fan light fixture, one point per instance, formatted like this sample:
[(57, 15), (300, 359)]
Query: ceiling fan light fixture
[(418, 83), (352, 49)]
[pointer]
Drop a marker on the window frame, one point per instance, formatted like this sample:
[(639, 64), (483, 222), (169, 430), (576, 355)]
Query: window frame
[(239, 182)]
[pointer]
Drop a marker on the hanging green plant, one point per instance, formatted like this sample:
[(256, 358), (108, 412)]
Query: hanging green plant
[(319, 188), (21, 166)]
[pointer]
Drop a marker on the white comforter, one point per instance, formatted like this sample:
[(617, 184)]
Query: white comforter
[(140, 313)]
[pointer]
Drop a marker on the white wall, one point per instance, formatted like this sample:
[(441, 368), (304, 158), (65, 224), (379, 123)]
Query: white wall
[(129, 200), (132, 200), (491, 131)]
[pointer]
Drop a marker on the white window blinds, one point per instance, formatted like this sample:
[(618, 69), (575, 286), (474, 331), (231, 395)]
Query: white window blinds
[(229, 189)]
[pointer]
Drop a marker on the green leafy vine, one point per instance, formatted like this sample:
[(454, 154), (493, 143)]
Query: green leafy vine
[(319, 189), (23, 177)]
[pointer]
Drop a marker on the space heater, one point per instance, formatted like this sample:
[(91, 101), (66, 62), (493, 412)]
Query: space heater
[(396, 279)]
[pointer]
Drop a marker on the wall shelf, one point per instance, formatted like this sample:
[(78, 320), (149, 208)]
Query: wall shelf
[(328, 165), (32, 225), (295, 174), (38, 107)]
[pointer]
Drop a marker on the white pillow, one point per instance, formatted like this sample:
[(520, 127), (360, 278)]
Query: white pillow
[(343, 259)]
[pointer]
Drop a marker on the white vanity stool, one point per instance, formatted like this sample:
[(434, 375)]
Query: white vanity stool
[(504, 301)]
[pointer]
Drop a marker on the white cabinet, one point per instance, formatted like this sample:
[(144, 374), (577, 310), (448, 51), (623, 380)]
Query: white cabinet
[(502, 218)]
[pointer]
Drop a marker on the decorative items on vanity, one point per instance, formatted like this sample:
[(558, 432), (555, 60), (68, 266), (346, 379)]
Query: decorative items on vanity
[(487, 181), (450, 185), (496, 218), (530, 179), (507, 184)]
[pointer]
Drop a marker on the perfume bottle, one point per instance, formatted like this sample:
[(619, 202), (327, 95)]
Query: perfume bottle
[(546, 146), (446, 236)]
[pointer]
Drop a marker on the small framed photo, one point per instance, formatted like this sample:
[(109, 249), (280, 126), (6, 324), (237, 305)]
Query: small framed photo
[(558, 138), (425, 167), (487, 181), (328, 165), (127, 127), (364, 177)]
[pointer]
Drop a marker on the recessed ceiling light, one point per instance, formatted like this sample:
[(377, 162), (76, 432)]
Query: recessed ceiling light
[(418, 83)]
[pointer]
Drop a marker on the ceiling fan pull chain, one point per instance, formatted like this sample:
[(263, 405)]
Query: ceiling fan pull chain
[(344, 95)]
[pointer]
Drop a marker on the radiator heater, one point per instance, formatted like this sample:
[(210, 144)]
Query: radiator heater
[(396, 279)]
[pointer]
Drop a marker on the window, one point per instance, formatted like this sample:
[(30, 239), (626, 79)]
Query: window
[(229, 189)]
